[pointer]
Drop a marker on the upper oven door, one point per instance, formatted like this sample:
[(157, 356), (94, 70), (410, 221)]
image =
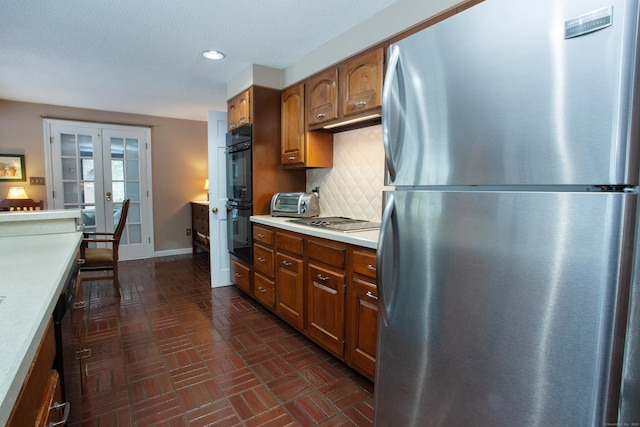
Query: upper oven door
[(239, 164)]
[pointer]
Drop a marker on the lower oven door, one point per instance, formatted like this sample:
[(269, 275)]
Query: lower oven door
[(239, 238)]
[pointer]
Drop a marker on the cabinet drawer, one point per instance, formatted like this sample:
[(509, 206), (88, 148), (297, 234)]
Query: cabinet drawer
[(264, 290), (364, 262), (240, 276), (331, 253), (292, 243), (263, 259), (263, 235), (288, 263)]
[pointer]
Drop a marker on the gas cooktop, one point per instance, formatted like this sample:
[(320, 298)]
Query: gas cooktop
[(338, 223)]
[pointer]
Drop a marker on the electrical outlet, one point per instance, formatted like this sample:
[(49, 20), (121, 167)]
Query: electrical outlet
[(36, 180), (188, 232)]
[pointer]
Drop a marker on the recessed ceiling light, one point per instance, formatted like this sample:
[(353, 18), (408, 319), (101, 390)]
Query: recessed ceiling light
[(212, 54)]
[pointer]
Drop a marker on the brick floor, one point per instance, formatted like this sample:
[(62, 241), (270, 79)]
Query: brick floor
[(174, 352)]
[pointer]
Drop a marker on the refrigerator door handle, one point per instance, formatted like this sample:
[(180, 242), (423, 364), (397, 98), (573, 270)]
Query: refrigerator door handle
[(387, 259), (393, 70)]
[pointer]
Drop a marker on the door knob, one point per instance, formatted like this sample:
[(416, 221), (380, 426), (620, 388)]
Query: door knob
[(108, 195), (214, 210)]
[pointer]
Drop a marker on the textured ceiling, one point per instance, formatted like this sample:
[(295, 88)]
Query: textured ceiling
[(145, 57)]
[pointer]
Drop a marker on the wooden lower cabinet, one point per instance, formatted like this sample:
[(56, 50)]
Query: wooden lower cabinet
[(325, 308), (324, 288), (290, 289), (264, 290), (290, 278), (362, 324), (241, 275), (38, 403)]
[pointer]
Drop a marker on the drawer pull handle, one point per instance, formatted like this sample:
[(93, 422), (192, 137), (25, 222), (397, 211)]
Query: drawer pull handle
[(371, 267), (323, 278), (321, 116), (80, 304), (291, 158), (260, 259), (262, 290), (372, 296), (65, 413), (287, 263), (238, 275), (83, 354), (360, 104), (260, 235)]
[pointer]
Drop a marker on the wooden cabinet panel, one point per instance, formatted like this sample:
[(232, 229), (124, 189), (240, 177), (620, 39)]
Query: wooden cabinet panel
[(364, 262), (293, 129), (289, 242), (290, 289), (299, 148), (264, 290), (241, 275), (263, 235), (361, 83), (328, 252), (200, 226), (325, 308), (322, 97), (239, 110), (363, 312), (28, 406), (263, 259)]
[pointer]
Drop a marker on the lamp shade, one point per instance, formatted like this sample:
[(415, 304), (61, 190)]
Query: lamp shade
[(17, 193), (206, 184)]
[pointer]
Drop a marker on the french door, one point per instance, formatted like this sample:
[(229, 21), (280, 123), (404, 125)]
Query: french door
[(94, 168)]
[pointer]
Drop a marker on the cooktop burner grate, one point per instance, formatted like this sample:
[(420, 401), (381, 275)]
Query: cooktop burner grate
[(338, 223)]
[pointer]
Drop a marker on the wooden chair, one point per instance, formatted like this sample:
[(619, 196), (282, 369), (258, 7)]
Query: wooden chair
[(103, 259), (21, 205)]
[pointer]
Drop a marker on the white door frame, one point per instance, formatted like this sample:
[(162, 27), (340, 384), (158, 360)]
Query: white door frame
[(147, 251), (219, 255)]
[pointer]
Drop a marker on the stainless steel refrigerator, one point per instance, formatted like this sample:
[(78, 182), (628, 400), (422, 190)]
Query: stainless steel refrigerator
[(508, 264)]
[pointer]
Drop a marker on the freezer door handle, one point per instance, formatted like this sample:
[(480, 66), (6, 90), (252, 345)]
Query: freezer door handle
[(390, 121), (387, 258)]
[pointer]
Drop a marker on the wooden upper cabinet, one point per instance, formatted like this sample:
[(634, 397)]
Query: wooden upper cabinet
[(322, 97), (293, 126), (302, 149), (239, 110), (347, 92), (362, 79)]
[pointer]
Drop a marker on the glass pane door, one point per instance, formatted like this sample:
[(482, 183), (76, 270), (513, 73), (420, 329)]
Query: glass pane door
[(125, 149), (95, 169)]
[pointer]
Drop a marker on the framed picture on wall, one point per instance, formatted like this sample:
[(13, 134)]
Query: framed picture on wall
[(12, 167)]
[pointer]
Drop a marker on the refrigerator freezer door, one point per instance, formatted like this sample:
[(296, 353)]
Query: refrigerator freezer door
[(497, 95), (501, 307)]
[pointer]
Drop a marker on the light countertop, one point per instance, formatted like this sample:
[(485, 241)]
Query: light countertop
[(33, 272), (367, 238)]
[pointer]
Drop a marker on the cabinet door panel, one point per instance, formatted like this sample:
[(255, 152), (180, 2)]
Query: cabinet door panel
[(293, 136), (322, 98), (289, 290), (326, 308), (362, 83), (364, 326)]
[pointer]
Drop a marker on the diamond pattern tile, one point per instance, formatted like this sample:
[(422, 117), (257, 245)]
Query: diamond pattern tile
[(353, 187)]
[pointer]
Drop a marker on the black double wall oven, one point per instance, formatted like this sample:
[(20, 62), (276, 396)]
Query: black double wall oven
[(239, 194)]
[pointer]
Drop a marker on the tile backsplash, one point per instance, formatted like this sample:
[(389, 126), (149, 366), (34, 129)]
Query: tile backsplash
[(353, 187)]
